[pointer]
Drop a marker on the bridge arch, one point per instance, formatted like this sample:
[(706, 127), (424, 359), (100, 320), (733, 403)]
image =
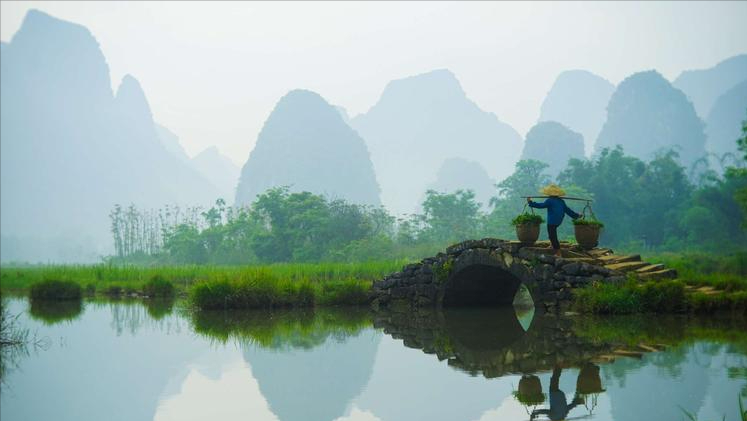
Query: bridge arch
[(480, 285), (481, 277)]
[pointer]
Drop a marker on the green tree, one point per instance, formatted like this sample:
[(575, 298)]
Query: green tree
[(184, 245), (450, 217), (615, 182)]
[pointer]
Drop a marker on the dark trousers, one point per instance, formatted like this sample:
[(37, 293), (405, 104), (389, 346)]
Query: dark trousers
[(552, 232)]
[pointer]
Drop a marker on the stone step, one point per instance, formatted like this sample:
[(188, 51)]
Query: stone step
[(599, 252), (703, 290), (659, 274), (651, 268), (539, 250), (576, 259), (626, 266), (612, 258)]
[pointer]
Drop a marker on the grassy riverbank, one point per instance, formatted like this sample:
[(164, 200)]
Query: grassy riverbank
[(212, 287), (706, 283)]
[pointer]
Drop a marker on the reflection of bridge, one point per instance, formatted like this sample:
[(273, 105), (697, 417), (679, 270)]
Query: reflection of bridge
[(490, 271), (490, 341)]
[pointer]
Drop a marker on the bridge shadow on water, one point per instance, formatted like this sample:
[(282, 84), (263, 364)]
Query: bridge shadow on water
[(491, 341)]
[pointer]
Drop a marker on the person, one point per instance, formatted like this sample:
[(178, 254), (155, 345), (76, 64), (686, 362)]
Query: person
[(556, 210), (559, 407)]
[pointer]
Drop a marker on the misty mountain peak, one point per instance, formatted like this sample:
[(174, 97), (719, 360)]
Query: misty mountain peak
[(305, 107), (554, 144), (578, 99), (131, 100), (306, 144), (436, 85), (704, 86), (47, 51), (423, 120), (647, 115)]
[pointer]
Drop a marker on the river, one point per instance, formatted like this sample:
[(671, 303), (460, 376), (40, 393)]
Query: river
[(135, 360)]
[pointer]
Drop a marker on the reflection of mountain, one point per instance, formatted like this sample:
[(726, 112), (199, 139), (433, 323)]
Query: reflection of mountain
[(422, 120), (648, 390), (99, 373), (314, 384)]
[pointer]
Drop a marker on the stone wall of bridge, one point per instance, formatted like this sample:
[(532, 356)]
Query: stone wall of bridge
[(489, 272)]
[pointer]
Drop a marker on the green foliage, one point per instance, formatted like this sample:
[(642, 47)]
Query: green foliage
[(527, 219), (591, 221), (90, 289), (53, 289), (726, 272), (113, 291), (449, 217), (669, 296), (632, 297), (443, 270), (157, 286), (742, 141)]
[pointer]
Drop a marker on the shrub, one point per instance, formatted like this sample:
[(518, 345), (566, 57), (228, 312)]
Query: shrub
[(213, 295), (90, 289), (157, 286), (113, 290), (56, 290), (631, 297), (264, 291), (527, 219)]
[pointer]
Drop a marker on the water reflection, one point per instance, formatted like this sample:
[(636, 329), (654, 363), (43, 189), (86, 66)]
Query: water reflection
[(152, 360), (51, 312), (491, 341), (308, 364), (282, 329), (559, 406)]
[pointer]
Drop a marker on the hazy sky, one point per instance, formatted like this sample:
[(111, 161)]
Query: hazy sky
[(213, 71)]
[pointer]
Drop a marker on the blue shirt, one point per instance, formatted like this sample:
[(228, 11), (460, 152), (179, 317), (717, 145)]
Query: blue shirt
[(556, 210)]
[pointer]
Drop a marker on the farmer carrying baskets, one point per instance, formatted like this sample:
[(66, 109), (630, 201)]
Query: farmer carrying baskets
[(556, 211)]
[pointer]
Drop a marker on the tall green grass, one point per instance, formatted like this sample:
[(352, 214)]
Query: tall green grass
[(727, 272), (100, 277), (213, 287), (54, 289), (669, 296), (264, 289)]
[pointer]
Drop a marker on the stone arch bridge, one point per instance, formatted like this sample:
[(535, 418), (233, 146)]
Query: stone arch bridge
[(489, 272)]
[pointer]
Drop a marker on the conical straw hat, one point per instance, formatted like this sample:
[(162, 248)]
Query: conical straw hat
[(552, 190)]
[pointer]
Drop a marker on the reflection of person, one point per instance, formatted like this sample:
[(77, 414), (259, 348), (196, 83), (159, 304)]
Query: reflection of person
[(559, 407), (556, 210)]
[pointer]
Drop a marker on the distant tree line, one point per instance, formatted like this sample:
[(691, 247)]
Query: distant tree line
[(652, 204)]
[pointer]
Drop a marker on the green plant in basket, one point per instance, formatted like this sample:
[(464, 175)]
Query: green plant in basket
[(590, 221), (527, 219)]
